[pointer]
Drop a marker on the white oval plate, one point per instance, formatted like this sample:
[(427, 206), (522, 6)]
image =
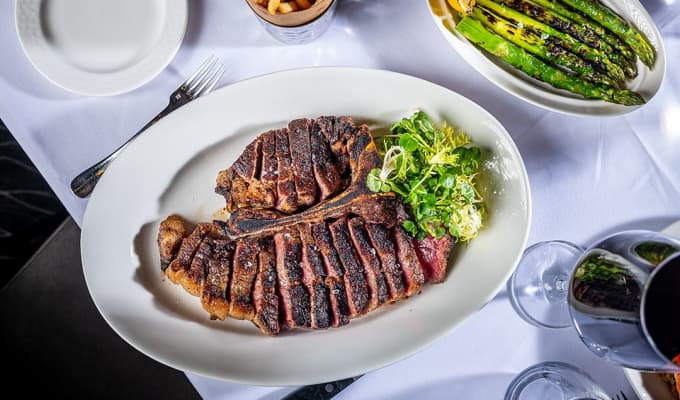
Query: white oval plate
[(172, 169), (649, 386), (541, 94), (100, 47)]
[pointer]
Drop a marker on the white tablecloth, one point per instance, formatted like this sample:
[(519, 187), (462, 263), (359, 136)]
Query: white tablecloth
[(589, 176)]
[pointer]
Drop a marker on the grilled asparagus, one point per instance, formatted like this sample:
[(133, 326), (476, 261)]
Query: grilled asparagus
[(597, 57), (578, 31), (475, 32), (610, 20), (542, 48)]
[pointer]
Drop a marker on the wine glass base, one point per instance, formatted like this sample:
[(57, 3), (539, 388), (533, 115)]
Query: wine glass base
[(538, 288), (554, 380)]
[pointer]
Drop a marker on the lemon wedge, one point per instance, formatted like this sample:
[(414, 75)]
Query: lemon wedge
[(462, 6)]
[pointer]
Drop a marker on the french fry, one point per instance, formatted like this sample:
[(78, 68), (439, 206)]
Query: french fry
[(273, 6), (303, 4), (288, 6)]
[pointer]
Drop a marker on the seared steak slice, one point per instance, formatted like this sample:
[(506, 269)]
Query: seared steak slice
[(337, 131), (382, 242), (170, 235), (434, 255), (369, 259), (177, 270), (313, 274), (244, 269), (294, 296), (192, 281), (269, 171), (265, 297), (286, 200), (335, 272), (215, 284), (240, 184), (355, 282), (406, 254), (301, 154), (325, 171)]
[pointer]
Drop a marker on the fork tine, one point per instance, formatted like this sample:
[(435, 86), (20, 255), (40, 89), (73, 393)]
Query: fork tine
[(201, 78), (210, 83), (201, 69)]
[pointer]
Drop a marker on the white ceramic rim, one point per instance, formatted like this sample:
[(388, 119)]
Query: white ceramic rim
[(62, 74)]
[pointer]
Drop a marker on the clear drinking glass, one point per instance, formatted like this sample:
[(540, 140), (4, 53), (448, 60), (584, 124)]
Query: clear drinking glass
[(297, 27), (622, 295), (554, 381)]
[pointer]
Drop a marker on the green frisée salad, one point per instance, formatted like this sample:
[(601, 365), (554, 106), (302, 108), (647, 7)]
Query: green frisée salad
[(434, 169)]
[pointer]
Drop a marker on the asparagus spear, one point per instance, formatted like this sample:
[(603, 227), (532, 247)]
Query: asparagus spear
[(565, 11), (475, 32), (595, 56), (610, 20), (578, 31), (542, 48)]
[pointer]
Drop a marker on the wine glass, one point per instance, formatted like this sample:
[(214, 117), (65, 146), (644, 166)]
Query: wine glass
[(554, 380), (622, 295)]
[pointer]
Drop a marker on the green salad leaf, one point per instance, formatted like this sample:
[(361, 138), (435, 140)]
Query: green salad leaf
[(434, 170)]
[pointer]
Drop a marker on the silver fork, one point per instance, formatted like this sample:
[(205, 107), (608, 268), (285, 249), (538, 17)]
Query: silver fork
[(198, 84)]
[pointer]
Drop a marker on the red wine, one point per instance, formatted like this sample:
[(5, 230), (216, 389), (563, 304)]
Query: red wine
[(661, 308)]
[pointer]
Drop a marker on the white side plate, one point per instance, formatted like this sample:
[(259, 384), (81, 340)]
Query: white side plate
[(172, 169), (515, 82), (100, 47)]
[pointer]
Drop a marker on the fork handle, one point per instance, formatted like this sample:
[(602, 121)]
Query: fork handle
[(83, 184)]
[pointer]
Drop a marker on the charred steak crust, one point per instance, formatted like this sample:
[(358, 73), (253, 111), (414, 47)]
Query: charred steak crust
[(283, 267), (293, 293), (285, 189), (358, 294), (370, 261), (325, 171), (265, 295), (413, 272), (313, 274), (244, 270), (301, 155), (384, 246), (170, 235), (215, 288)]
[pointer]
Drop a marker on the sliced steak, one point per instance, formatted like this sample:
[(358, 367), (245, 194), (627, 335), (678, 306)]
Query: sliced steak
[(358, 294), (294, 297), (434, 255), (215, 292), (384, 246), (337, 131), (406, 254), (170, 235), (313, 274), (369, 259), (239, 184), (325, 171), (265, 296), (286, 196), (301, 155), (244, 270), (177, 269), (269, 172), (334, 274)]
